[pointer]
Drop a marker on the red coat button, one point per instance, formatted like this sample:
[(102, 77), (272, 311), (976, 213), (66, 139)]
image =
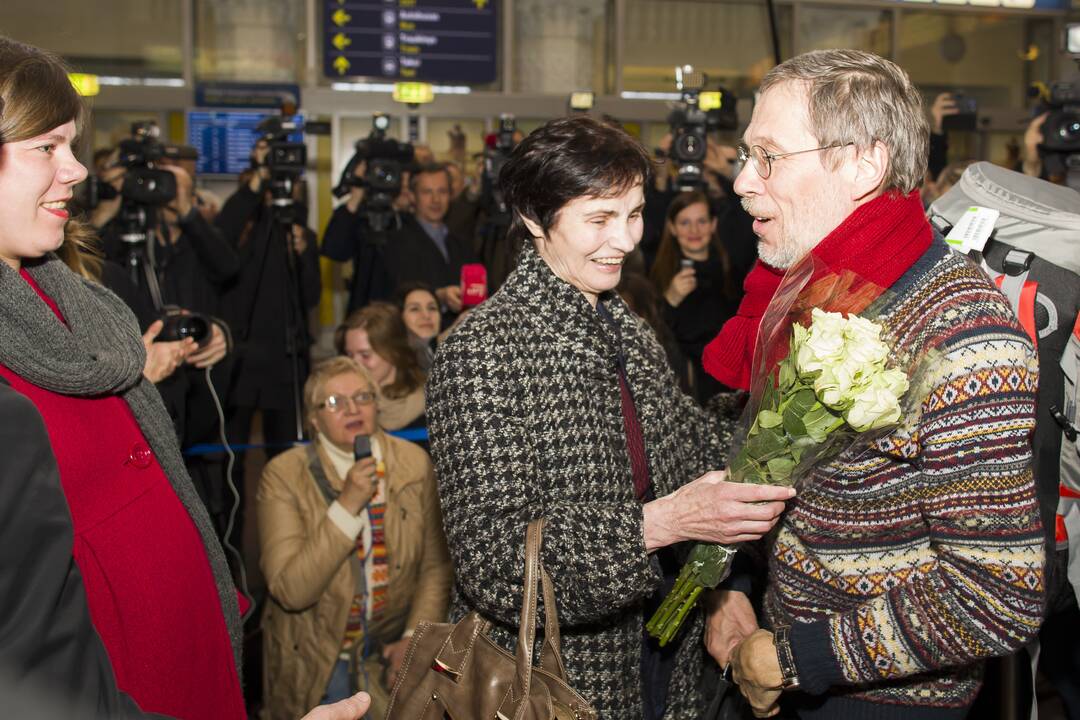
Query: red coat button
[(140, 456)]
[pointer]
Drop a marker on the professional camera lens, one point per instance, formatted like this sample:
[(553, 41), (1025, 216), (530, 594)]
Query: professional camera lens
[(1069, 130), (690, 147)]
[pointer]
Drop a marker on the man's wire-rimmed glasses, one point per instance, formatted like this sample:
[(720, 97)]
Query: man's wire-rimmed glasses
[(763, 159)]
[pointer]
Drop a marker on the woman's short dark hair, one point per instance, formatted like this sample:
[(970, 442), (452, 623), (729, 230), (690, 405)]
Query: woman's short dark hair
[(565, 159)]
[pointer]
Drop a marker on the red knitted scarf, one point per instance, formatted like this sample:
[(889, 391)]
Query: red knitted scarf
[(878, 242)]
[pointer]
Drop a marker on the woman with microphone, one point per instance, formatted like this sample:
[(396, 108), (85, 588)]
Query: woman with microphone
[(352, 548)]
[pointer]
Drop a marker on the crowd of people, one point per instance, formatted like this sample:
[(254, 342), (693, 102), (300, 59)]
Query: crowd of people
[(598, 387)]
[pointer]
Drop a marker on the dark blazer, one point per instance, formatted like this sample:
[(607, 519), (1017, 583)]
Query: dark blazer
[(524, 410), (50, 647), (348, 237), (412, 256)]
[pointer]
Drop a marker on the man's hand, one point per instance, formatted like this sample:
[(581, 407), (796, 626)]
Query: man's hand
[(450, 296), (360, 485), (1031, 163), (394, 654), (107, 209), (944, 105), (729, 620), (352, 708), (299, 239), (682, 284), (756, 669), (210, 354), (258, 160), (162, 358), (720, 159), (185, 188), (712, 510)]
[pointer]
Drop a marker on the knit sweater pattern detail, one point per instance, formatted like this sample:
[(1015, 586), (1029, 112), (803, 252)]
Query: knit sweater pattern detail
[(525, 417), (903, 564)]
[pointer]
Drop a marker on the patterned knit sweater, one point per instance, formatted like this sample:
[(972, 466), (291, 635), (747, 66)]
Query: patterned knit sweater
[(901, 566), (525, 419)]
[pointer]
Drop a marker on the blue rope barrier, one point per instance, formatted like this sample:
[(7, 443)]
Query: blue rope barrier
[(410, 434)]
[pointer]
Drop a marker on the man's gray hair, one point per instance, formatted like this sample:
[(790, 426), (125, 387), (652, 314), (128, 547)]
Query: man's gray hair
[(861, 98)]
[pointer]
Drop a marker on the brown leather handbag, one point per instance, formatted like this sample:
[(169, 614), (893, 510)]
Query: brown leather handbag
[(456, 671)]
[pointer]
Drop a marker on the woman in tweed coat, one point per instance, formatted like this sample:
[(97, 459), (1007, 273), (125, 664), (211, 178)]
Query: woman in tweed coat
[(553, 400)]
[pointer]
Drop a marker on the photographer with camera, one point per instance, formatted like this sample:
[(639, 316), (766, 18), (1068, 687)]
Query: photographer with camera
[(277, 286), (375, 184), (171, 266)]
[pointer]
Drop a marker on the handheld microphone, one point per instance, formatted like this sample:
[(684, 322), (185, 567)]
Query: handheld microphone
[(361, 447)]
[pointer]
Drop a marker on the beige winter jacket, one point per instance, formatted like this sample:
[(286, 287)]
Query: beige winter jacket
[(305, 559)]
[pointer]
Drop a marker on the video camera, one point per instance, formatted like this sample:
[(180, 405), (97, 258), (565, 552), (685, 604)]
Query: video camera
[(1061, 131), (697, 114), (286, 160), (386, 159), (495, 157), (1060, 149), (145, 188)]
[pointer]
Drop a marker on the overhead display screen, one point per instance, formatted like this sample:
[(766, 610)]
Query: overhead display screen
[(447, 41), (224, 139)]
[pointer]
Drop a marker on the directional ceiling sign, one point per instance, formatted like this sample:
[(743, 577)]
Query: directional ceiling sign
[(424, 40)]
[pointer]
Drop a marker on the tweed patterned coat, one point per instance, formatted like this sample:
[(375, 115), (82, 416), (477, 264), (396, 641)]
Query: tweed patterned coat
[(525, 420)]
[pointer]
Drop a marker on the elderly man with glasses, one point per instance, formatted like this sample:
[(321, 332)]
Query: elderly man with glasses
[(352, 550), (904, 563)]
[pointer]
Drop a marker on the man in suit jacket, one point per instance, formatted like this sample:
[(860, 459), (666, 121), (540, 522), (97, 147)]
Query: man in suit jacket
[(424, 250)]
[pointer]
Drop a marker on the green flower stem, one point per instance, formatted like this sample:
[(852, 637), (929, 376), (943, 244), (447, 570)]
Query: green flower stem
[(707, 566)]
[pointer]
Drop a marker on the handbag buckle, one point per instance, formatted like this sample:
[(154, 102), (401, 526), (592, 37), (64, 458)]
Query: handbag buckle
[(440, 667)]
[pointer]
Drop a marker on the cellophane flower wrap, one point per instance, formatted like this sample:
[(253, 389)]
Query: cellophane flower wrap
[(824, 381)]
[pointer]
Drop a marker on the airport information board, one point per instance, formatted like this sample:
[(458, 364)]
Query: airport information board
[(445, 41), (224, 139)]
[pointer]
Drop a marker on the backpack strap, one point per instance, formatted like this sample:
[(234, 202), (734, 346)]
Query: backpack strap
[(1020, 291), (1066, 417)]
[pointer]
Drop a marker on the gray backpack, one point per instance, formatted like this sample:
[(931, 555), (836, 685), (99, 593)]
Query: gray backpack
[(1033, 255)]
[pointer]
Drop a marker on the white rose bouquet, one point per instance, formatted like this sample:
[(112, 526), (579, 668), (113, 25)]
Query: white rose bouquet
[(832, 387)]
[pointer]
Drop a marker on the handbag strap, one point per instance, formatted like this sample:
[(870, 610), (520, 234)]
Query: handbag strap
[(516, 702)]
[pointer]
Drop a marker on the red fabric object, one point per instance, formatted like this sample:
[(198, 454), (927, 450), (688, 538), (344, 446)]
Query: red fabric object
[(635, 441), (148, 581), (878, 242)]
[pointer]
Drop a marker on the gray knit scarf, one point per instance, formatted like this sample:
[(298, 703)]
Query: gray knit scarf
[(100, 352)]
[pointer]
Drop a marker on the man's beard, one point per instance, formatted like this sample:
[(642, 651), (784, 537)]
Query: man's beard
[(793, 246)]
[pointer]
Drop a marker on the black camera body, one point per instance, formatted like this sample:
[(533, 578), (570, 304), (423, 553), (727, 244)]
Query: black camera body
[(689, 141), (146, 187), (691, 124), (180, 325), (387, 159), (1061, 131), (285, 161), (284, 157)]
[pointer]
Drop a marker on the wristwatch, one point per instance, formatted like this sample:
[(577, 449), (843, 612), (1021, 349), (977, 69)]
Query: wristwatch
[(782, 641)]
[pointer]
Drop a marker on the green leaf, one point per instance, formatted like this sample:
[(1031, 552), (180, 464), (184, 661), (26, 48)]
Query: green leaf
[(780, 469), (769, 395), (787, 374), (769, 419), (803, 401), (766, 444), (793, 424)]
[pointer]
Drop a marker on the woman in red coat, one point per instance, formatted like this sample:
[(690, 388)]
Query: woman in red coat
[(158, 587)]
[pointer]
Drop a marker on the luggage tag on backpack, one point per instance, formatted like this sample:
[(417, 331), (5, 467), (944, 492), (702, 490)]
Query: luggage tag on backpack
[(973, 229)]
